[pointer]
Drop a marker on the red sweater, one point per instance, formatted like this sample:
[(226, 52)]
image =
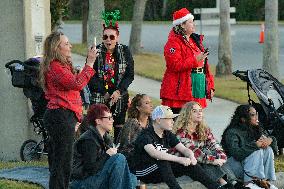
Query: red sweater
[(63, 87)]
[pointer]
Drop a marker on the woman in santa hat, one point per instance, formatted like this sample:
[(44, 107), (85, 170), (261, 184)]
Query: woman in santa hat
[(187, 76)]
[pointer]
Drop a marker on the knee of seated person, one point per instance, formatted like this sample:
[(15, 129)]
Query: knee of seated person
[(258, 153), (269, 151), (119, 157)]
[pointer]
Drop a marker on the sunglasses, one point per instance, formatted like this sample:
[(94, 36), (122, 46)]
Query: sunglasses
[(111, 37)]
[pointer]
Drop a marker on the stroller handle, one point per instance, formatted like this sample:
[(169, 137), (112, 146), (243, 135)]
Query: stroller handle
[(243, 75), (8, 65)]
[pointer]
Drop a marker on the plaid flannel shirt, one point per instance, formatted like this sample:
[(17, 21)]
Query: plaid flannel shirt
[(204, 151)]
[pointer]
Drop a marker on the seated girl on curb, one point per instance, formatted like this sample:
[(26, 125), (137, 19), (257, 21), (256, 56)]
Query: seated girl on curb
[(139, 118), (249, 148), (192, 131), (96, 161)]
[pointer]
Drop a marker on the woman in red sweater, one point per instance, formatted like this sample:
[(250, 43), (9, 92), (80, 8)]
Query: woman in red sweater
[(62, 85)]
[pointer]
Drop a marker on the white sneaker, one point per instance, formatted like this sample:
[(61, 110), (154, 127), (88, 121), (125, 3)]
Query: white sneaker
[(273, 186), (253, 186)]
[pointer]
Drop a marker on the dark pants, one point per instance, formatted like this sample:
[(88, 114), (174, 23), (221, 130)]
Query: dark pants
[(195, 172), (119, 110), (167, 172), (60, 125)]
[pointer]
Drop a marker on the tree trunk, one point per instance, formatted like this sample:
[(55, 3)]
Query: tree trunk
[(95, 29), (224, 66), (85, 11), (164, 10), (137, 20), (271, 39)]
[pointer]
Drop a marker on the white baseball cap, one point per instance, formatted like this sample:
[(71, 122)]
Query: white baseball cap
[(163, 112)]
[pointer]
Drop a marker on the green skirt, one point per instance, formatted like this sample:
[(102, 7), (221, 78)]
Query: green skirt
[(198, 85)]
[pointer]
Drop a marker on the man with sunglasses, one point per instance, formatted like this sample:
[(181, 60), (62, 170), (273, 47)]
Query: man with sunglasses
[(114, 73)]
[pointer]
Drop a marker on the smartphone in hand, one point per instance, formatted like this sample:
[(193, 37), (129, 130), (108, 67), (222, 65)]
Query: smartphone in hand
[(206, 51)]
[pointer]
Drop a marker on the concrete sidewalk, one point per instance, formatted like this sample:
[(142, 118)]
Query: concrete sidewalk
[(217, 115)]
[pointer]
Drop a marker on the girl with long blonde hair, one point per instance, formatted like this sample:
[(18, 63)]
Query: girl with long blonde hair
[(192, 131), (64, 109), (185, 122)]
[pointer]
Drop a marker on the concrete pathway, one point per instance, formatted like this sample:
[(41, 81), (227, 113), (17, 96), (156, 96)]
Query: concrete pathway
[(217, 114)]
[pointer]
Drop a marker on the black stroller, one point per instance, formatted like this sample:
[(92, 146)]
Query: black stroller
[(270, 93), (25, 76)]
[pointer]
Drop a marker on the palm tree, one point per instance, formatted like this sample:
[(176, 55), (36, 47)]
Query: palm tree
[(137, 20), (85, 12), (224, 66), (58, 9), (271, 43), (96, 7)]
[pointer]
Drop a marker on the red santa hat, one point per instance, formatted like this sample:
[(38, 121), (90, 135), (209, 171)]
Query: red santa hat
[(181, 16)]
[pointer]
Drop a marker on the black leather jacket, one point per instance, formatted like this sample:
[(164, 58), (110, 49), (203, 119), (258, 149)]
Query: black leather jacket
[(90, 153)]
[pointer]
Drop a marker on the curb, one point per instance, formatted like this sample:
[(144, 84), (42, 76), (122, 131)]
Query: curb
[(187, 183)]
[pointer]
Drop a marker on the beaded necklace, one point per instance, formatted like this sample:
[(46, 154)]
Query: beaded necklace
[(108, 71)]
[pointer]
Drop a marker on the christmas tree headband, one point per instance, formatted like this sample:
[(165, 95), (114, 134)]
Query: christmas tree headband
[(111, 18)]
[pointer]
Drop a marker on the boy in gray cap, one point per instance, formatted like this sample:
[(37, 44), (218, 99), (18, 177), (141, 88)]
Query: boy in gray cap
[(153, 163)]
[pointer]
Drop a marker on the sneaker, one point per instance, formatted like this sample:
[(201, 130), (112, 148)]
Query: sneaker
[(253, 186), (228, 186), (240, 185), (273, 186)]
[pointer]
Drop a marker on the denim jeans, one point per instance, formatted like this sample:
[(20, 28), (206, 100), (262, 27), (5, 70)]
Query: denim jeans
[(114, 175), (259, 164), (216, 172)]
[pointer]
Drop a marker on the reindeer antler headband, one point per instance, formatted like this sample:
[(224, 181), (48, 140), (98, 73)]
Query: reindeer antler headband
[(111, 18)]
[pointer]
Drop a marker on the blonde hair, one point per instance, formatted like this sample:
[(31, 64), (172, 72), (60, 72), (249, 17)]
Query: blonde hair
[(184, 121), (51, 52)]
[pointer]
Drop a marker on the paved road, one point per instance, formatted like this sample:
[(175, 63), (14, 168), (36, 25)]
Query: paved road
[(246, 51)]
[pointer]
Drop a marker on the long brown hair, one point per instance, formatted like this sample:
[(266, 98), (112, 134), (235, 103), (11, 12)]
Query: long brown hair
[(184, 121), (51, 52), (133, 112)]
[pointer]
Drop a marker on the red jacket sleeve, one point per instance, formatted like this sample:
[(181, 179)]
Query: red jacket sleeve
[(62, 76)]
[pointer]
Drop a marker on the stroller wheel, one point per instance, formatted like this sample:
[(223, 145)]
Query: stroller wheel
[(30, 151)]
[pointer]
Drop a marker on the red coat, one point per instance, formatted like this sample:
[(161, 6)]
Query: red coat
[(63, 87), (180, 59)]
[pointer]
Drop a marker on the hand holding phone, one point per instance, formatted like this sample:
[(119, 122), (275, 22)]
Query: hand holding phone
[(206, 51)]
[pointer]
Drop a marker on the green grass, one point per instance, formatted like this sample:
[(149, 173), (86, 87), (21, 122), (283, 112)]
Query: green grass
[(279, 163), (7, 184), (12, 164), (153, 66)]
